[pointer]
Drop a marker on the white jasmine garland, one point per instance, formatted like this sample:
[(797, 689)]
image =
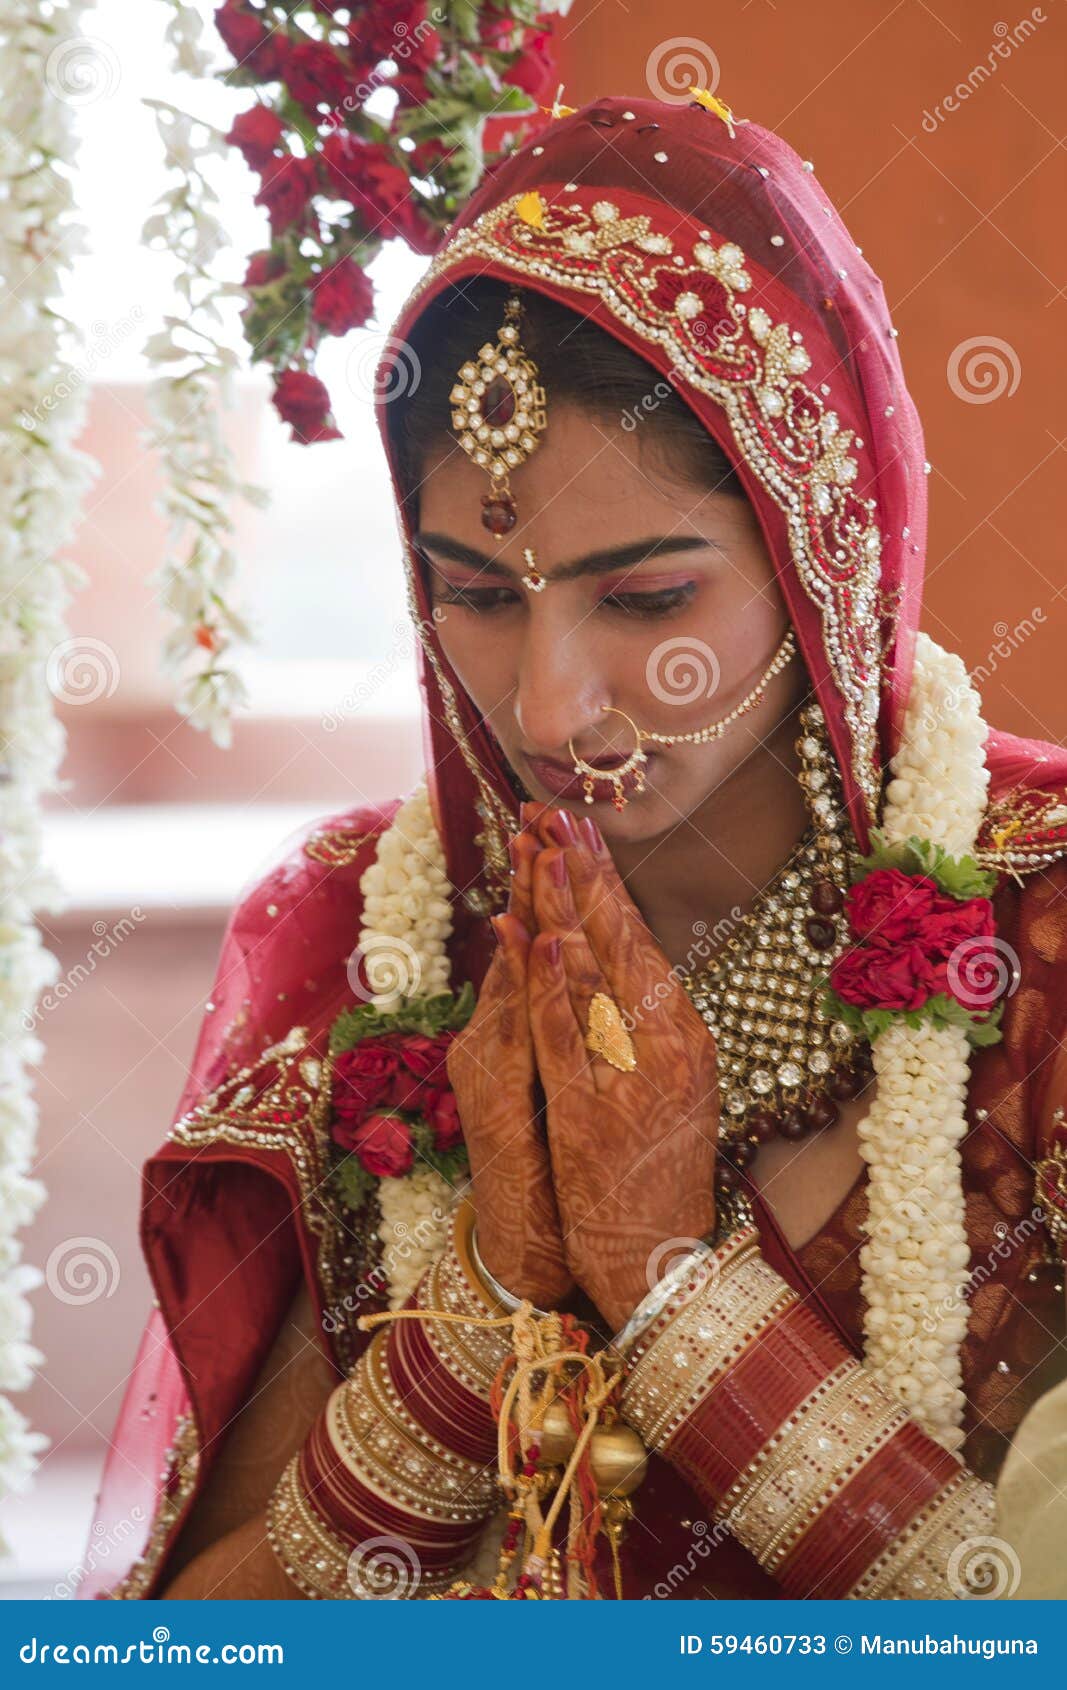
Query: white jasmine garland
[(915, 1260), (43, 57), (403, 944)]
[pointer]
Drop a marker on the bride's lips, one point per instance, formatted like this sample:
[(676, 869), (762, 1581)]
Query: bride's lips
[(561, 779)]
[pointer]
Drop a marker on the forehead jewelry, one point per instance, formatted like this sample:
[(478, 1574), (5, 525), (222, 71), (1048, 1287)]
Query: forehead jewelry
[(699, 736), (534, 579), (498, 413)]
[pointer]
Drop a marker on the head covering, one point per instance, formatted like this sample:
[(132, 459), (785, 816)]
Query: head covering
[(706, 245)]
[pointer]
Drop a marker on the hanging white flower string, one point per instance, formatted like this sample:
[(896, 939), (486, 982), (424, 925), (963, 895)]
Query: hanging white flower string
[(43, 63), (916, 1257), (199, 474)]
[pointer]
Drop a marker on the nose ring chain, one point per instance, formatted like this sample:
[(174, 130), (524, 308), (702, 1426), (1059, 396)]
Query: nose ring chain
[(698, 736)]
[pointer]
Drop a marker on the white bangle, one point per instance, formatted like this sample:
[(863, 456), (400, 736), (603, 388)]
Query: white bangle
[(500, 1292), (660, 1295), (733, 1216)]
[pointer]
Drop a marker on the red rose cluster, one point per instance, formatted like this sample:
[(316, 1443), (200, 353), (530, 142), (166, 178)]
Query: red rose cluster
[(318, 287), (396, 1071), (907, 931)]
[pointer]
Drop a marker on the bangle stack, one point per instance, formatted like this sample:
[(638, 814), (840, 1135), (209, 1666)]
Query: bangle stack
[(391, 1490), (811, 1464)]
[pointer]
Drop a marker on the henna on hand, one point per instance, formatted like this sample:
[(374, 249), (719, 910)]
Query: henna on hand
[(492, 1071)]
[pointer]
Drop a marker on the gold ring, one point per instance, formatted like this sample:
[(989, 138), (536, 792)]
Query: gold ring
[(606, 1034)]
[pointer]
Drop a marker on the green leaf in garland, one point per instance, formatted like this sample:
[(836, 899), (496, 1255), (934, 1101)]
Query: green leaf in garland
[(354, 1183), (958, 877), (443, 1012)]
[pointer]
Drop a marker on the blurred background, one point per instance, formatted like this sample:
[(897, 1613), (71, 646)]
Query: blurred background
[(939, 133)]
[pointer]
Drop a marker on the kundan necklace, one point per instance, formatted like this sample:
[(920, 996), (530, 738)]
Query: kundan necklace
[(785, 1065)]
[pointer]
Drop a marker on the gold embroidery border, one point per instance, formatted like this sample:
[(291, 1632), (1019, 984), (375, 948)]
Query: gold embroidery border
[(851, 634), (182, 1463), (235, 1112)]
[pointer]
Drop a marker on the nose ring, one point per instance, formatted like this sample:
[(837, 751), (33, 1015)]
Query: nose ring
[(633, 763)]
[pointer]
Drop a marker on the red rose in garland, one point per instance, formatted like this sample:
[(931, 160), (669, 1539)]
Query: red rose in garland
[(533, 70), (392, 1105), (314, 76), (257, 134), (263, 268), (288, 184), (442, 1115), (399, 30), (883, 976), (925, 943), (255, 45), (343, 297), (384, 1145), (302, 401), (888, 904)]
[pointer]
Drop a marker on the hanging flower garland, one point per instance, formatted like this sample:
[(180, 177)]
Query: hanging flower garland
[(185, 400), (337, 181), (43, 478), (915, 1261)]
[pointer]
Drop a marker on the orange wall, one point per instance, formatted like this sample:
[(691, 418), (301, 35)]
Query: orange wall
[(961, 213)]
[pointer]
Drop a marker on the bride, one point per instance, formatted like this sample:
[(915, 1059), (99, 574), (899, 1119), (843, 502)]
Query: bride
[(699, 1017)]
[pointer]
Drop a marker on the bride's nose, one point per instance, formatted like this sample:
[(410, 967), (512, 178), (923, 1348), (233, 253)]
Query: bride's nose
[(559, 694)]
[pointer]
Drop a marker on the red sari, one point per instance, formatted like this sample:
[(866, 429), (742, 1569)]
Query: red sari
[(235, 1204)]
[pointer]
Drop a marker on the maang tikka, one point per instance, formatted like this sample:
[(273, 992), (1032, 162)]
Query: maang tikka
[(499, 414)]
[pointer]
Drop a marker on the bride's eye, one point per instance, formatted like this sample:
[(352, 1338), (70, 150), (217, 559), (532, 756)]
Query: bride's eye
[(484, 600), (475, 598), (659, 603)]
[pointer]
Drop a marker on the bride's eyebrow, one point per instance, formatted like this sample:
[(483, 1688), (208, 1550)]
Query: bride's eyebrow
[(602, 562)]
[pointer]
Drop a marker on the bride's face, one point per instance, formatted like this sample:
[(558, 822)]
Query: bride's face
[(661, 602)]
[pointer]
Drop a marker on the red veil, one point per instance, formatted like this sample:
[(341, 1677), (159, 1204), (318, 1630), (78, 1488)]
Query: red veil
[(708, 247)]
